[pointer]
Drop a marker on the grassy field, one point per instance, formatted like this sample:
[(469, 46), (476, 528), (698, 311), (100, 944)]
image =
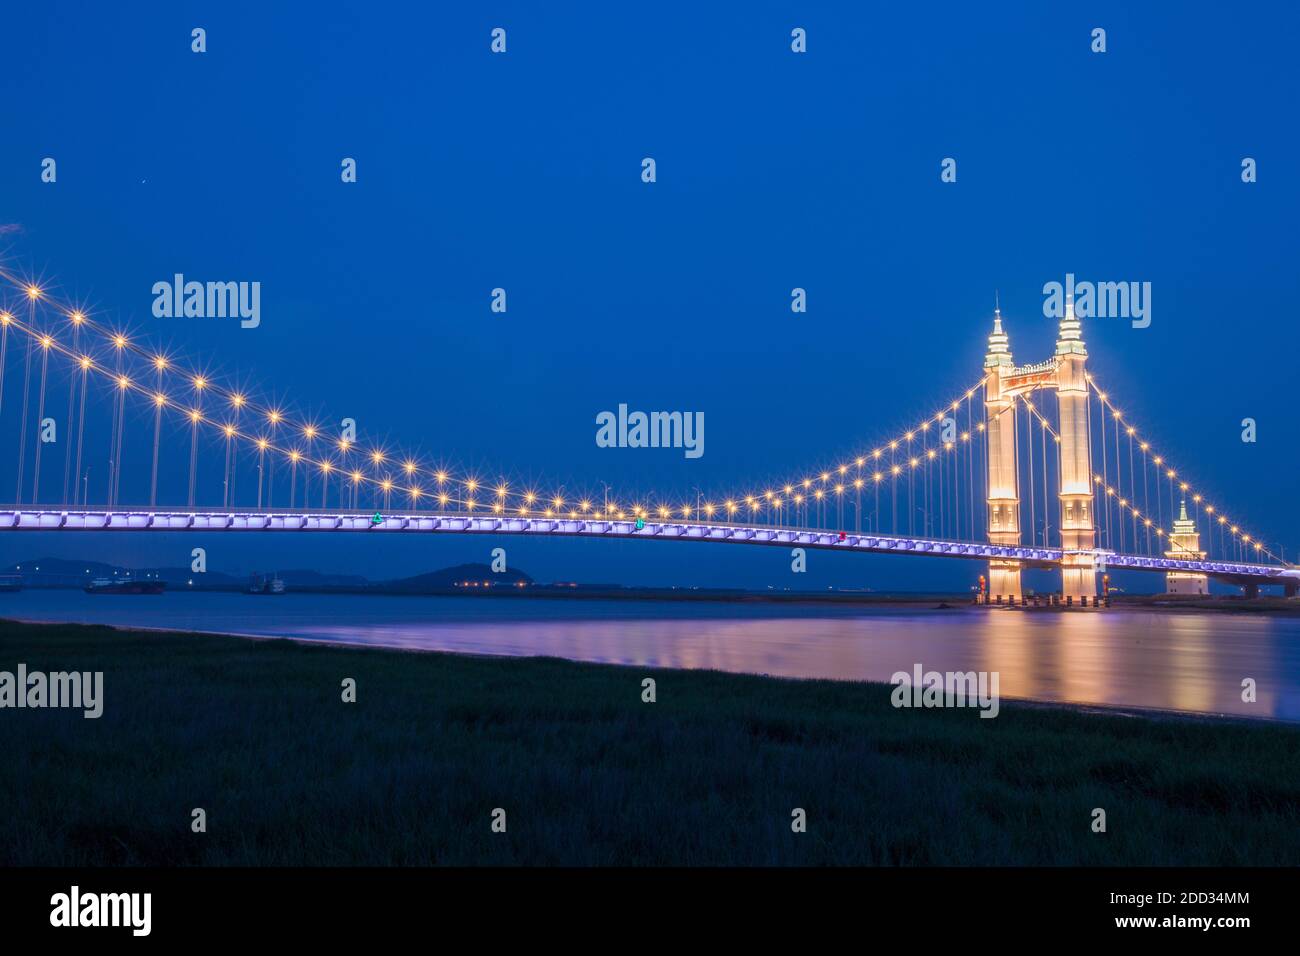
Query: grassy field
[(256, 733)]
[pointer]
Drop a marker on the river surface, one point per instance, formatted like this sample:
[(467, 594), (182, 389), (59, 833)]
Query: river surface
[(1185, 661)]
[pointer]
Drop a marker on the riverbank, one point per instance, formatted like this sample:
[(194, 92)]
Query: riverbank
[(256, 734)]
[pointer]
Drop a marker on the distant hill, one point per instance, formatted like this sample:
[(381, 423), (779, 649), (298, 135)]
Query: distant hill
[(462, 575)]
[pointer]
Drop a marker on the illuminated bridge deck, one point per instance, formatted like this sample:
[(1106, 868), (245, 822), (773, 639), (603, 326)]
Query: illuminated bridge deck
[(19, 519)]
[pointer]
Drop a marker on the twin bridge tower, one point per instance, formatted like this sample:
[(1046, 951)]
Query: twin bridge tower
[(1004, 384)]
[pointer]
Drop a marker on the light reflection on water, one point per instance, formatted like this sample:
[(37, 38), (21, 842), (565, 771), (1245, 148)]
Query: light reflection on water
[(1178, 661)]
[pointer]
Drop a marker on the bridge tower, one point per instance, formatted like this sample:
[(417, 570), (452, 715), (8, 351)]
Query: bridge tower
[(1185, 545), (1000, 434), (1078, 532)]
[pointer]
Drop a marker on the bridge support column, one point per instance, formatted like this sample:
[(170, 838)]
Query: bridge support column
[(1078, 533), (1000, 435), (1291, 588)]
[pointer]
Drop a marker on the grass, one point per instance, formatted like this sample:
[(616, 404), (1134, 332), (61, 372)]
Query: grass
[(255, 733)]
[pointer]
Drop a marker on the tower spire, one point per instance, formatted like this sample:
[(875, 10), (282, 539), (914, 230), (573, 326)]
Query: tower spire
[(999, 353), (1069, 338)]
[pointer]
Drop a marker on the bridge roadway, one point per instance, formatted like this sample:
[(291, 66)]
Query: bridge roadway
[(38, 519)]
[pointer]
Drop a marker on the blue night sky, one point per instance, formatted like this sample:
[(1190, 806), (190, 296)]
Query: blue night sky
[(775, 170)]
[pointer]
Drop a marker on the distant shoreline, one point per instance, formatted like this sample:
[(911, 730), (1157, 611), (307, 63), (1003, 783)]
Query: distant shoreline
[(935, 601)]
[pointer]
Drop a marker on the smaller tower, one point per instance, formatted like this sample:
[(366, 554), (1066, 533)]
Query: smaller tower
[(1185, 545)]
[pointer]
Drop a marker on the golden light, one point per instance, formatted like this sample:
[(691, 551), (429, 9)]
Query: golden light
[(195, 415), (309, 432), (160, 399), (160, 363), (273, 417), (294, 456), (262, 444), (46, 342), (229, 430), (237, 400), (200, 383), (33, 292), (123, 382), (78, 317), (120, 341), (387, 485)]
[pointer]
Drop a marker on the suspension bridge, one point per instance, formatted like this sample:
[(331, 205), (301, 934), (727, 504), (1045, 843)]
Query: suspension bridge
[(1030, 466)]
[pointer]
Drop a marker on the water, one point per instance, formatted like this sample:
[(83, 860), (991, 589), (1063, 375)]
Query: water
[(1120, 658)]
